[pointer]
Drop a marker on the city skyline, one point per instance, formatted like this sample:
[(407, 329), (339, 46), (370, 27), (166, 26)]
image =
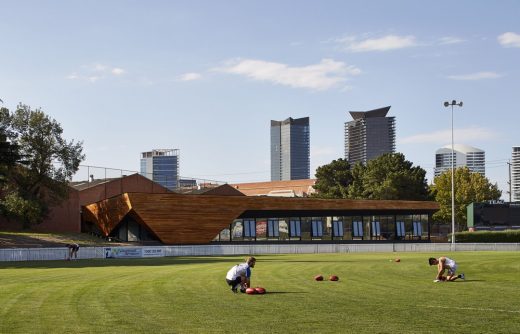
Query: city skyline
[(207, 77)]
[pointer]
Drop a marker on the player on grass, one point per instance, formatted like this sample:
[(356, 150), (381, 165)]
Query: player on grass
[(240, 275), (73, 251), (445, 264)]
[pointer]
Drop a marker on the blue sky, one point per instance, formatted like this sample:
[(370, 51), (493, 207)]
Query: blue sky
[(207, 77)]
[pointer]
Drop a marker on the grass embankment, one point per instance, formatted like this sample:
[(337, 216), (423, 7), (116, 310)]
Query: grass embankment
[(189, 295), (35, 239)]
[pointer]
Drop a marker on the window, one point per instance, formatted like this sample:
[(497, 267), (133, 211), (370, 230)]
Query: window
[(401, 232), (317, 228), (249, 228), (417, 229), (273, 228), (337, 228), (295, 228), (376, 229), (357, 228)]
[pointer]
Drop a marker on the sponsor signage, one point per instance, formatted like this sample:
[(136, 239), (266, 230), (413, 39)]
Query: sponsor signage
[(132, 252)]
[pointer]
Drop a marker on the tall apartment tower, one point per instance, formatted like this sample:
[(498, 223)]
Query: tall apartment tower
[(290, 149), (369, 135), (161, 166), (464, 155), (515, 174)]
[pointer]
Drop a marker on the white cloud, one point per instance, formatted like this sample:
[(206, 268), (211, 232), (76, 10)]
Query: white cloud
[(476, 76), (509, 40), (324, 75), (95, 72), (190, 77), (442, 137), (385, 43), (117, 71), (450, 40)]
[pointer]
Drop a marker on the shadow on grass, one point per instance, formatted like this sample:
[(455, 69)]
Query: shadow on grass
[(301, 261), (143, 262), (283, 292)]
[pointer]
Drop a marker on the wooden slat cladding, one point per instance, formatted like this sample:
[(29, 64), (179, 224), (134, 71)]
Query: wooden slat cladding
[(108, 213), (197, 219)]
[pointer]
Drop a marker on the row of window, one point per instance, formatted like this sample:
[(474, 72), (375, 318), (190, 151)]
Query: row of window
[(388, 227)]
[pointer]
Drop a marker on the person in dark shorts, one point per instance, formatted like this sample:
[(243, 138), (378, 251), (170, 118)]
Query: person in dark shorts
[(73, 251), (240, 275)]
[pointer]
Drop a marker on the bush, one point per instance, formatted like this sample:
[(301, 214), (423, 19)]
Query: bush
[(488, 236)]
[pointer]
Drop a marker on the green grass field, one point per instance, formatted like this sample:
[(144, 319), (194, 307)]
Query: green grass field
[(189, 295)]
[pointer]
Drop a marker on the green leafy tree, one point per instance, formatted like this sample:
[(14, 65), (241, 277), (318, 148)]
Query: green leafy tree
[(333, 179), (469, 187), (389, 177), (50, 161)]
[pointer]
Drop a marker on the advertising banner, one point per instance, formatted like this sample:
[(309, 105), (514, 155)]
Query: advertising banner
[(132, 252), (153, 252), (123, 252)]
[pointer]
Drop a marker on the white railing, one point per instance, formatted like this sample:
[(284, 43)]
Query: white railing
[(45, 254)]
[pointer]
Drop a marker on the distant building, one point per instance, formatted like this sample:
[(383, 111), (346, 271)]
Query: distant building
[(188, 184), (290, 149), (370, 135), (464, 156), (292, 188), (495, 216), (162, 167), (515, 173)]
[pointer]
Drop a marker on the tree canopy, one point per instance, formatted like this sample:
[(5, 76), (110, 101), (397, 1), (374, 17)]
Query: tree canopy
[(389, 176), (333, 179), (50, 161), (469, 187)]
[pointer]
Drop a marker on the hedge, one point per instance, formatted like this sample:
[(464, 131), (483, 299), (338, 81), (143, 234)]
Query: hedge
[(488, 236)]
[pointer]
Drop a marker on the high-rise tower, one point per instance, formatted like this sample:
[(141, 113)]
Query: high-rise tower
[(290, 149), (369, 135), (464, 155), (515, 174)]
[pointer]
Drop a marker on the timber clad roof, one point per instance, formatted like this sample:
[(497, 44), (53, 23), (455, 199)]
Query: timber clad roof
[(197, 219)]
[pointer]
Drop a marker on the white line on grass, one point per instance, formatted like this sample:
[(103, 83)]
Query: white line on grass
[(471, 308)]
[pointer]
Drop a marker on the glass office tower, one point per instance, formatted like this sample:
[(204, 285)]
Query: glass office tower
[(369, 135), (161, 166), (290, 149)]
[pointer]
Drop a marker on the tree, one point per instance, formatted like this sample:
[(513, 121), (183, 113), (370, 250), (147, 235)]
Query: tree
[(469, 187), (389, 177), (333, 179), (50, 162)]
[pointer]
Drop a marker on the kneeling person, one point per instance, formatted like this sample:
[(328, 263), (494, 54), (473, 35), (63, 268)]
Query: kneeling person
[(240, 275), (445, 264)]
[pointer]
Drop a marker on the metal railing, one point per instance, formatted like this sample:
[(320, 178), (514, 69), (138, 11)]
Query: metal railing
[(47, 254)]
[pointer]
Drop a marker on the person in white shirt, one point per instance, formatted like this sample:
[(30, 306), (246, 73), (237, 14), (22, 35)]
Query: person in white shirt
[(240, 275), (445, 264)]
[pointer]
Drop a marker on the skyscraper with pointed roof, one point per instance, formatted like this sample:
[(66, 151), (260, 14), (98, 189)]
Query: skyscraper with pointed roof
[(369, 135)]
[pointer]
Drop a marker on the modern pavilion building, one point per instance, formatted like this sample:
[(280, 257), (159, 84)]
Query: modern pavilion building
[(369, 135), (290, 149), (464, 155), (162, 167)]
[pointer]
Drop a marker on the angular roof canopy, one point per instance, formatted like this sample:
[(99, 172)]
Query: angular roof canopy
[(381, 112)]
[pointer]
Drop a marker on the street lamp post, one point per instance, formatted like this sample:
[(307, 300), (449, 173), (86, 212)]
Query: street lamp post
[(447, 104)]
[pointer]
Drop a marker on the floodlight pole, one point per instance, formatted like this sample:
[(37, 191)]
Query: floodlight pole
[(446, 104)]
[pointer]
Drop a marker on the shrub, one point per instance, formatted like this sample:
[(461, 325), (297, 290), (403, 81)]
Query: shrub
[(488, 236)]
